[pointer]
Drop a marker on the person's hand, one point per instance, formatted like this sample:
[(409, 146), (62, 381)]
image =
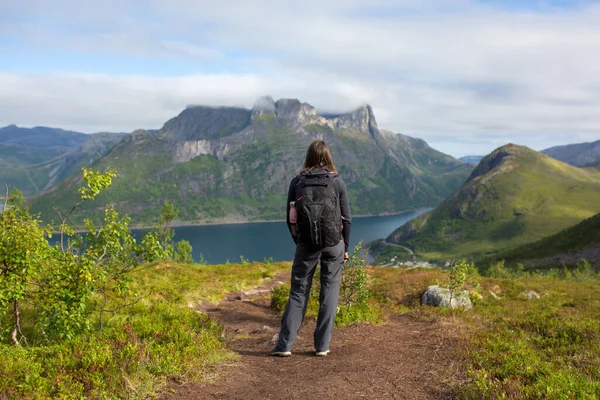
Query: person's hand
[(346, 258)]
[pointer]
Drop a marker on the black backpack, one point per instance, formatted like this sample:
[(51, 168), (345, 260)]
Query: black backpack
[(319, 221)]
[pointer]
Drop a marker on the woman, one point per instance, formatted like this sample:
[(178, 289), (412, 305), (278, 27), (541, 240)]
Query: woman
[(319, 219)]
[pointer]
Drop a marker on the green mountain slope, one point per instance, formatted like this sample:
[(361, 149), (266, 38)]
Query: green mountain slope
[(31, 159), (579, 241), (514, 196), (223, 164)]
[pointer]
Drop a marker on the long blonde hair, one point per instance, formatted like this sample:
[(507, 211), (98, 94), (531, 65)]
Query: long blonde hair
[(318, 156)]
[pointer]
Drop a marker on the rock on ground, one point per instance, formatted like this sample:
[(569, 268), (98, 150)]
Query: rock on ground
[(442, 297), (530, 294)]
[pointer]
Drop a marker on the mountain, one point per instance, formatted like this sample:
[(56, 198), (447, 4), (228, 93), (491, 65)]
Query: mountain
[(570, 245), (514, 196), (31, 159), (40, 137), (579, 155), (225, 164), (471, 159)]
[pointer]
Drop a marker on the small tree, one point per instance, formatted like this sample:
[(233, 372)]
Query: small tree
[(78, 275), (23, 250), (354, 287), (183, 252), (72, 277), (91, 268), (498, 270), (458, 275), (96, 181), (169, 214)]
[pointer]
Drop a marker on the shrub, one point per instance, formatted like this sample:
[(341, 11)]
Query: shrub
[(354, 303), (498, 270), (183, 252), (66, 283), (458, 275), (354, 288)]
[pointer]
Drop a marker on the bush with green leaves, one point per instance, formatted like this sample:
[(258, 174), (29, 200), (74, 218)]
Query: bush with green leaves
[(56, 337), (24, 251), (498, 270), (458, 275), (354, 304), (64, 284), (183, 252), (168, 214), (354, 289)]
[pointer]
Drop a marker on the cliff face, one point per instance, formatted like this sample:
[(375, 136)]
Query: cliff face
[(227, 163)]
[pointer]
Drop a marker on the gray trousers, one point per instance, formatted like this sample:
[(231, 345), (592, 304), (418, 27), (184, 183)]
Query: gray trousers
[(303, 270)]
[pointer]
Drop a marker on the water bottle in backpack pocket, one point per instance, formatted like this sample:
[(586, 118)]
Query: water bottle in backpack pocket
[(293, 218)]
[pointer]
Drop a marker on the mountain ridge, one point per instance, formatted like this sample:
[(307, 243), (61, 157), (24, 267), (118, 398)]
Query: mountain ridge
[(514, 196), (223, 163), (32, 159), (579, 154)]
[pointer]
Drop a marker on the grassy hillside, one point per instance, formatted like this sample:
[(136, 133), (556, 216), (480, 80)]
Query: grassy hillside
[(570, 240), (515, 196)]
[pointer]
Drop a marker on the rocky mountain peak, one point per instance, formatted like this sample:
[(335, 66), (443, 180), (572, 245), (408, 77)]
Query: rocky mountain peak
[(293, 109), (496, 158), (263, 105), (290, 111), (361, 119), (202, 122)]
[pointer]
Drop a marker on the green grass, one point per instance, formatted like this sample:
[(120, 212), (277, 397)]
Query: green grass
[(160, 336), (575, 238), (511, 347), (185, 283), (524, 198), (547, 348), (507, 347)]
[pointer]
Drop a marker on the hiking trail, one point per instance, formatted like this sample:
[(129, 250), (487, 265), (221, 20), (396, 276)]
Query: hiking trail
[(404, 358)]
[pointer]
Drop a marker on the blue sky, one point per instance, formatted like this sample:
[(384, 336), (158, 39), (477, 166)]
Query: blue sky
[(467, 76)]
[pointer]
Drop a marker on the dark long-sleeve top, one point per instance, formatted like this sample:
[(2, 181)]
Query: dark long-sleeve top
[(343, 202)]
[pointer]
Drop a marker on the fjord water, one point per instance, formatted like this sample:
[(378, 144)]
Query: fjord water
[(260, 240)]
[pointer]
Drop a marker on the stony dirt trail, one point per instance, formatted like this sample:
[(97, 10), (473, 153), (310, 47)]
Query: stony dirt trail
[(403, 359)]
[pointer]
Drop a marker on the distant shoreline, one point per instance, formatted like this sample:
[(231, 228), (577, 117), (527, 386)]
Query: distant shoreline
[(191, 224), (240, 222)]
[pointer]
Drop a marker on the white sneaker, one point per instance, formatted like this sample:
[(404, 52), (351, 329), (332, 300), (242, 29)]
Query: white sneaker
[(322, 353), (281, 353)]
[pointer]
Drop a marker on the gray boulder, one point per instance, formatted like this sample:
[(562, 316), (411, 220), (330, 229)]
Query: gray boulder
[(442, 297)]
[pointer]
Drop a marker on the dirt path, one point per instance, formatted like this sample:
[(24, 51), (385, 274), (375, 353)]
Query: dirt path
[(403, 359)]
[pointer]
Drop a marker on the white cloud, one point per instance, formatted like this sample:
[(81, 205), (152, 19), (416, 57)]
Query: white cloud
[(464, 76)]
